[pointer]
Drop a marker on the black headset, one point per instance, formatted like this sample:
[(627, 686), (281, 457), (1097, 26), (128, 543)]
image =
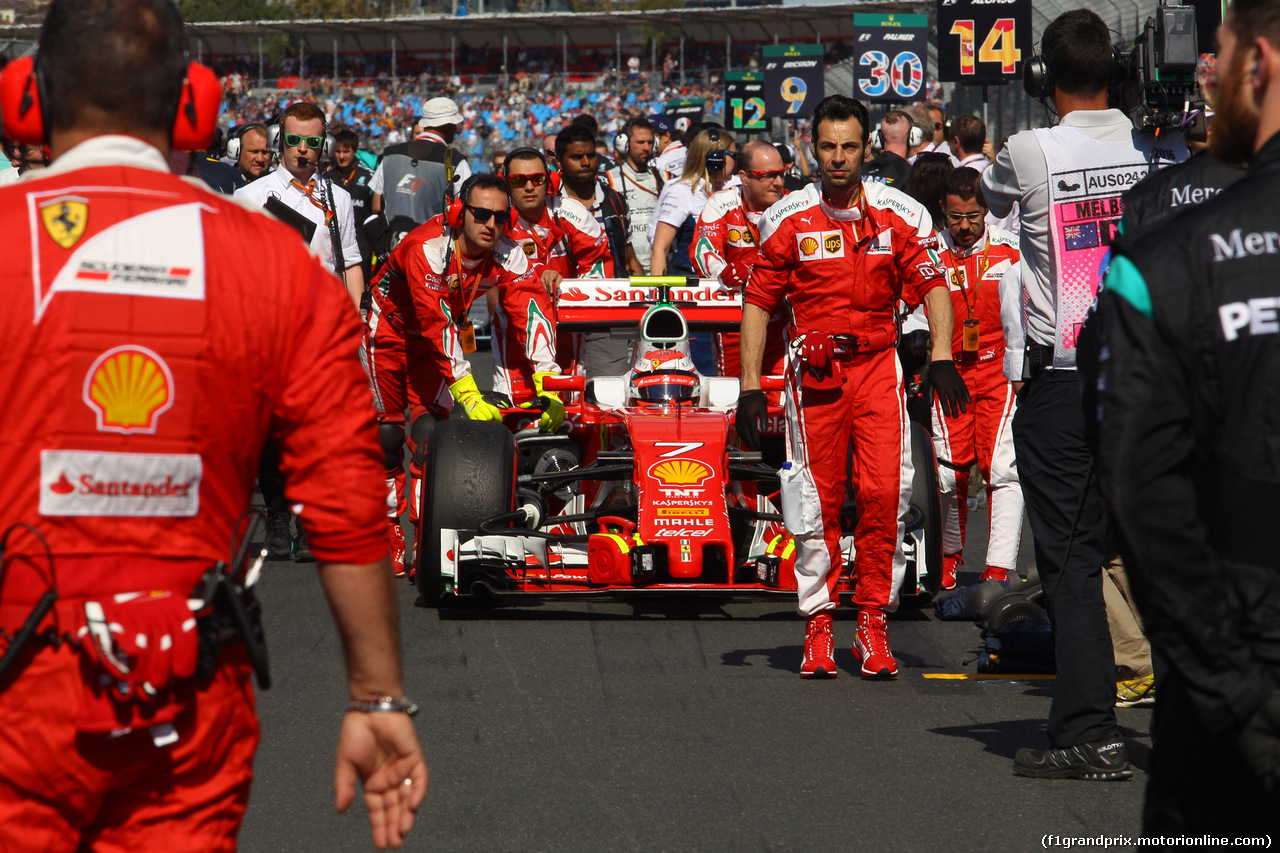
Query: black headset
[(235, 144), (716, 157), (1037, 80)]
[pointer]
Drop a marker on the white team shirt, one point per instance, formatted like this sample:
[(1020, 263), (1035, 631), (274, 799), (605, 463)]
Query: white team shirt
[(279, 184)]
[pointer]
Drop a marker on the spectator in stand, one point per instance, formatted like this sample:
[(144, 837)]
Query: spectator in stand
[(890, 166), (968, 137)]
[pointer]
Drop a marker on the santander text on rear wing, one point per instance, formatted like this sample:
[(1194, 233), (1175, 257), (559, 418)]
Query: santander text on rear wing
[(597, 304)]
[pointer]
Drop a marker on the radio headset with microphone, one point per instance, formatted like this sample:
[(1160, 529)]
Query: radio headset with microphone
[(457, 207), (275, 134), (235, 145), (528, 153)]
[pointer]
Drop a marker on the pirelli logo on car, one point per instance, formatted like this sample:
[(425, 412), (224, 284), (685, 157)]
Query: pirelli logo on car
[(684, 512), (820, 245)]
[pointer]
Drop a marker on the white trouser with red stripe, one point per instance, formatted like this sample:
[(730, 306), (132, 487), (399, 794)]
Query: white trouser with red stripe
[(982, 434), (860, 429)]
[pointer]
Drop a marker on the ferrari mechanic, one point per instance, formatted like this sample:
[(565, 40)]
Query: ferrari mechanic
[(556, 232), (1187, 408), (976, 256), (726, 241), (418, 333), (162, 366), (845, 382)]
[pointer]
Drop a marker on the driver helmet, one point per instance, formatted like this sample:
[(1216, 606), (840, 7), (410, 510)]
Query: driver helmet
[(664, 373)]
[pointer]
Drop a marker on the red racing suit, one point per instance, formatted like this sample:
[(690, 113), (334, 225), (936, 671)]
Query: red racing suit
[(841, 272), (983, 432), (167, 332), (412, 350), (569, 240), (726, 241)]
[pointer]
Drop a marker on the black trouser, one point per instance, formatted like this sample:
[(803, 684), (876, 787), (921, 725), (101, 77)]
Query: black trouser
[(1199, 783), (271, 480), (1060, 487)]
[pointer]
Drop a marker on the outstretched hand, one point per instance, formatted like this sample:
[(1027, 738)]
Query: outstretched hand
[(381, 750)]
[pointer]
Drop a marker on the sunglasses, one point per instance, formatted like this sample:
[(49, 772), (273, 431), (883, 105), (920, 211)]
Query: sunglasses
[(484, 214), (293, 140), (518, 181), (973, 218), (766, 176)]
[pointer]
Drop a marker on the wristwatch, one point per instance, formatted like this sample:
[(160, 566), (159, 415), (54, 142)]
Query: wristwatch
[(401, 704)]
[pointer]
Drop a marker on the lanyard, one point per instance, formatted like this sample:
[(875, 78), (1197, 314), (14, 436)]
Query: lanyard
[(480, 273), (746, 218), (961, 280), (324, 208), (623, 171)]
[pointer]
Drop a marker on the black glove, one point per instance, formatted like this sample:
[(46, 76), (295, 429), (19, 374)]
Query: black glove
[(753, 408), (947, 384)]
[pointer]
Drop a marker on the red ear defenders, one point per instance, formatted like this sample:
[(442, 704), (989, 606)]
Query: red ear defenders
[(457, 207), (553, 177), (21, 90)]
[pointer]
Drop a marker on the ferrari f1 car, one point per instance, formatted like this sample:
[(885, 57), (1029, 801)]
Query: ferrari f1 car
[(644, 490)]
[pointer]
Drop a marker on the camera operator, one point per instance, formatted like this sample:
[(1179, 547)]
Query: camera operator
[(1066, 226), (125, 725), (415, 179), (1187, 407)]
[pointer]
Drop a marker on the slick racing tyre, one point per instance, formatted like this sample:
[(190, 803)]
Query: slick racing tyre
[(925, 499), (469, 478)]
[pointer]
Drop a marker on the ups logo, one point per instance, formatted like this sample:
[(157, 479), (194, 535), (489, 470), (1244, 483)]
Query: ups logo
[(831, 243), (529, 248)]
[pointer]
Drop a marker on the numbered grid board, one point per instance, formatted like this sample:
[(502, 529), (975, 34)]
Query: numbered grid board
[(744, 107), (793, 79), (891, 51), (983, 41)]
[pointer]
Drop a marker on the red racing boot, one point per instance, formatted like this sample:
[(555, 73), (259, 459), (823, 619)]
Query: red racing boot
[(951, 564), (819, 645), (871, 645), (994, 573), (395, 537)]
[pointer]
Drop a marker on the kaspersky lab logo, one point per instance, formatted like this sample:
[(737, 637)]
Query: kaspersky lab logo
[(128, 387)]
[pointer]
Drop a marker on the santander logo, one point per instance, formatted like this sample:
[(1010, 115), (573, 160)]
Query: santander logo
[(573, 294), (63, 486)]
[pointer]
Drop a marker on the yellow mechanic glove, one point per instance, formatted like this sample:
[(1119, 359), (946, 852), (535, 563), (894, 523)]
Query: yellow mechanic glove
[(552, 406), (466, 393)]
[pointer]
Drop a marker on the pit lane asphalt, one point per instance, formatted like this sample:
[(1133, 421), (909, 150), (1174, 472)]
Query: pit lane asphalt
[(567, 725)]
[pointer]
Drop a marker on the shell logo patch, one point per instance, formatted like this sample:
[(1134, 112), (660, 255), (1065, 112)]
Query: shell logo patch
[(128, 388), (65, 218), (820, 245), (680, 472)]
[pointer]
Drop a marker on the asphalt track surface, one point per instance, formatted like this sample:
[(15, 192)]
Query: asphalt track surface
[(566, 725)]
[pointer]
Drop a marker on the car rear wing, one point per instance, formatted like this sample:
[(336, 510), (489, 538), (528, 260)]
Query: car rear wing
[(600, 304)]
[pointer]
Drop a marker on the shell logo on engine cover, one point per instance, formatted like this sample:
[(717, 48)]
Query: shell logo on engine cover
[(680, 472), (128, 387)]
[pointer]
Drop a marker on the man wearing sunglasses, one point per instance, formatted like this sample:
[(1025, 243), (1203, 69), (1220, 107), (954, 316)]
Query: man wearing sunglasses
[(554, 231), (977, 256), (726, 241), (417, 336), (321, 203)]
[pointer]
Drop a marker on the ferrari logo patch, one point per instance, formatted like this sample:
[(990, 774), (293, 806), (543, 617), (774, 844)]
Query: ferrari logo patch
[(65, 219)]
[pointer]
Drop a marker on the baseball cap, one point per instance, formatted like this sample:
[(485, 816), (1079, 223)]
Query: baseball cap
[(661, 123), (440, 111)]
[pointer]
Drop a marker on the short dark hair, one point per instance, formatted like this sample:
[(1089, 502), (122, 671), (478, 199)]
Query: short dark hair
[(589, 122), (638, 123), (346, 137), (970, 131), (483, 181), (965, 184), (1077, 51), (570, 135), (841, 108), (123, 58), (524, 154), (928, 179)]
